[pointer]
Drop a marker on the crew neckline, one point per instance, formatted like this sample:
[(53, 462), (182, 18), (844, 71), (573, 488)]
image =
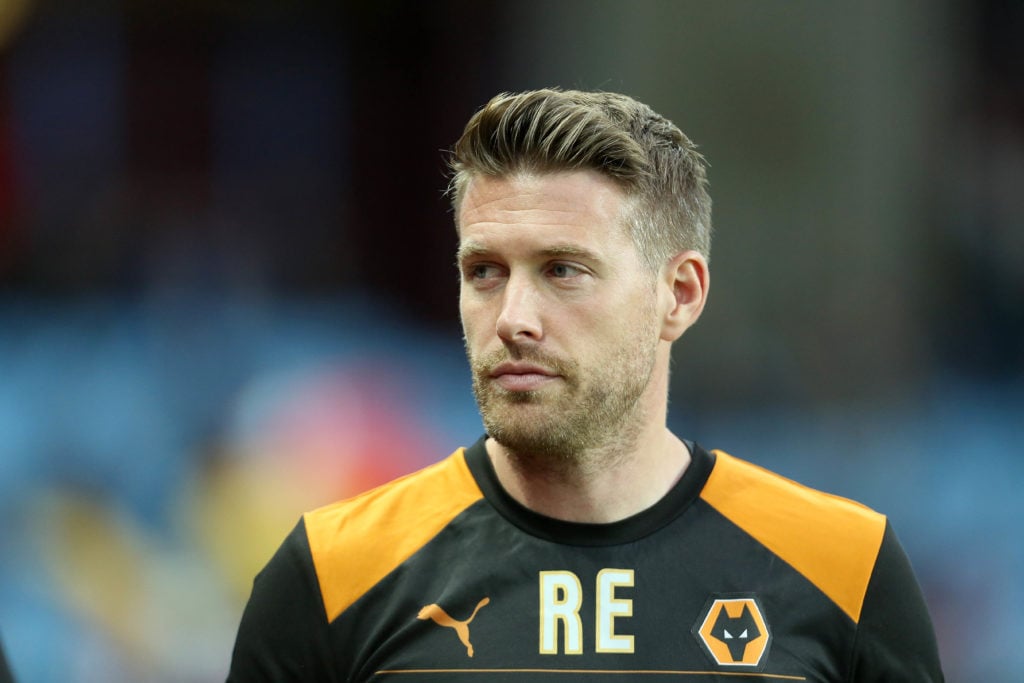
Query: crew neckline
[(627, 530)]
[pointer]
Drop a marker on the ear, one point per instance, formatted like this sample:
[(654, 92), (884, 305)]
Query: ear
[(683, 291)]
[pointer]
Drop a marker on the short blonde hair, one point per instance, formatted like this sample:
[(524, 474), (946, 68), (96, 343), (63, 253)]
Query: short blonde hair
[(543, 131)]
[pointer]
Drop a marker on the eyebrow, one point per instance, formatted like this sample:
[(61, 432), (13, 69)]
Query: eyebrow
[(466, 251)]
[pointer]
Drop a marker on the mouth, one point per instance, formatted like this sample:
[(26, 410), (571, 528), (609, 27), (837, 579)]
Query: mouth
[(518, 376)]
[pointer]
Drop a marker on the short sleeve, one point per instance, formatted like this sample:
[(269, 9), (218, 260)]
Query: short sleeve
[(283, 631), (895, 639)]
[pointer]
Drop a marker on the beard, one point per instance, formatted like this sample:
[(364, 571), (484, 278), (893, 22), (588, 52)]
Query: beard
[(590, 409)]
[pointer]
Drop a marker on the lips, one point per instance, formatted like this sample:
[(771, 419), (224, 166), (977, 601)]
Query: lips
[(520, 376)]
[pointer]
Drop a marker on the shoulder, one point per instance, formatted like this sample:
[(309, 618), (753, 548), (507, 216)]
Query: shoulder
[(740, 488), (833, 541), (356, 542)]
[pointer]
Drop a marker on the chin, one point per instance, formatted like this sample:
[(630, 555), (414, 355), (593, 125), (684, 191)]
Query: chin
[(530, 435)]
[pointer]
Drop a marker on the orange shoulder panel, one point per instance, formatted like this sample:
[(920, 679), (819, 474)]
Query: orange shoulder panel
[(357, 542), (832, 541)]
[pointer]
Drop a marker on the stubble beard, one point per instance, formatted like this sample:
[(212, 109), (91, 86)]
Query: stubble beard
[(590, 418)]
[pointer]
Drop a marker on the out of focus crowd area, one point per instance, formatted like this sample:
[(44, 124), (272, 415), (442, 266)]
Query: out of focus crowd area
[(227, 291)]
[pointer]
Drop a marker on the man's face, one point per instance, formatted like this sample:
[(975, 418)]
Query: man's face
[(558, 312)]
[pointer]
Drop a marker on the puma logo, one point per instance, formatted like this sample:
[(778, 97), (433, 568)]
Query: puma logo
[(437, 614)]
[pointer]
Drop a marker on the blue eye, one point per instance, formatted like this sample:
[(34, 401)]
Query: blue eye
[(481, 271), (564, 270)]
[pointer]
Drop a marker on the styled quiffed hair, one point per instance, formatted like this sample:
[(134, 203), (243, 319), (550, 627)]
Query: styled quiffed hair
[(544, 131)]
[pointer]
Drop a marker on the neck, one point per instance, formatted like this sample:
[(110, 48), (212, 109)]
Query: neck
[(601, 487)]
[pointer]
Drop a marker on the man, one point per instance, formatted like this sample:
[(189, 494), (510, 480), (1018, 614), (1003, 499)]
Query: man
[(580, 538)]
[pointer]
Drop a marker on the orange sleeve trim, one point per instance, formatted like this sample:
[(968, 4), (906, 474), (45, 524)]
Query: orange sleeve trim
[(832, 541), (357, 542)]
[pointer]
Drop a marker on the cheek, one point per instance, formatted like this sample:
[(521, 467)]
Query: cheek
[(465, 309), (631, 323), (473, 319)]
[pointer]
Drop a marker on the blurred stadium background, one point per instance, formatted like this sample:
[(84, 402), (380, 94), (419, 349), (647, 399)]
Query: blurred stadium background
[(227, 292)]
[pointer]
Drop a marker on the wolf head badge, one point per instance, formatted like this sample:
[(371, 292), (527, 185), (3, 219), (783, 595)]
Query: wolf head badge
[(733, 631)]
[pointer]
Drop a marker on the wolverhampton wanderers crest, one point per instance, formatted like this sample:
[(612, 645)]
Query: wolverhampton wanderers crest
[(733, 631)]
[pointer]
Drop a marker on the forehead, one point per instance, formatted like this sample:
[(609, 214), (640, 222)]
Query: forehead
[(566, 205)]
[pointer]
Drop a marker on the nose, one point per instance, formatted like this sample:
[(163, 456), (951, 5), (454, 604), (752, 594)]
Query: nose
[(519, 318)]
